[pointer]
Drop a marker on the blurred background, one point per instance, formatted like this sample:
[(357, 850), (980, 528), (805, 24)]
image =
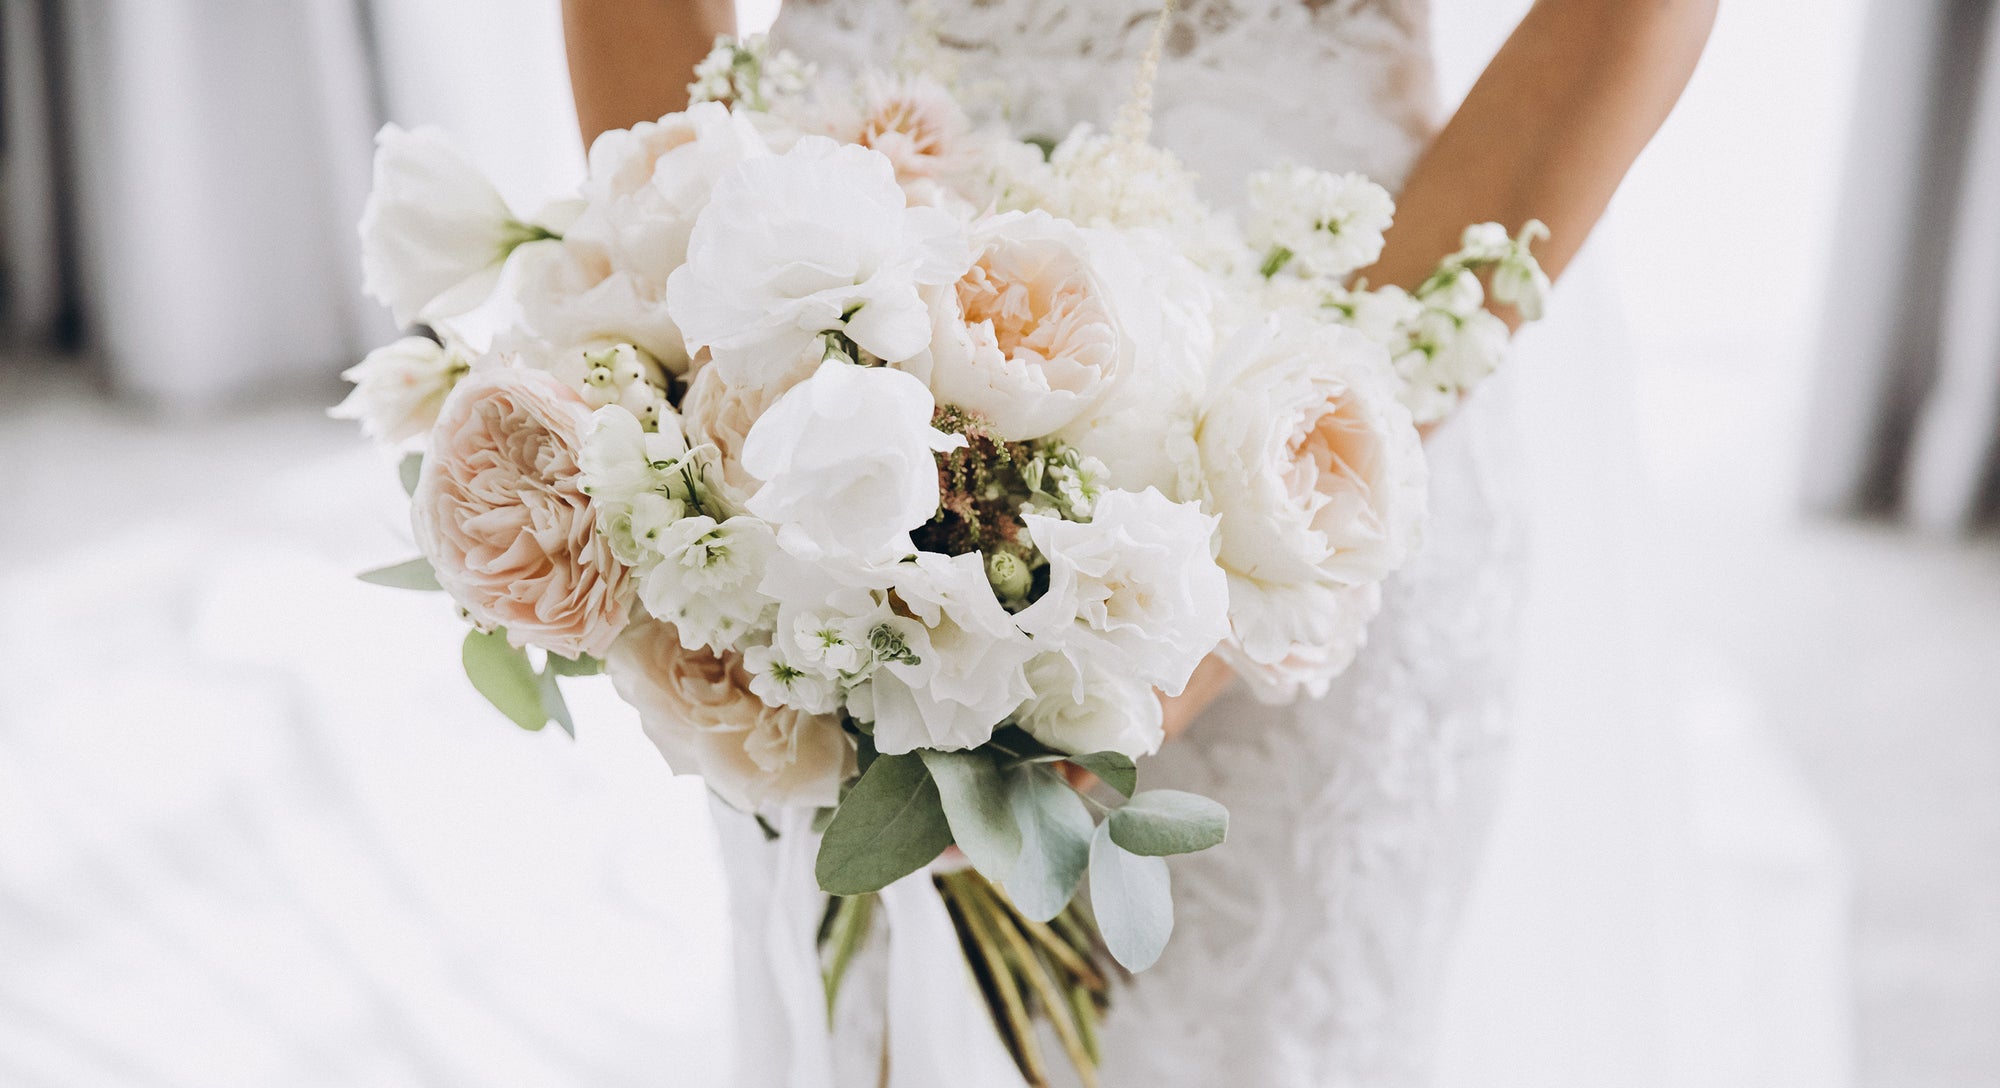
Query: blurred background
[(255, 828)]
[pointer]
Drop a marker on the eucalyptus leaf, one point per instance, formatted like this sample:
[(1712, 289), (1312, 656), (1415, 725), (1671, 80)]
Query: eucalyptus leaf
[(890, 824), (974, 792), (1055, 841), (407, 470), (580, 665), (410, 574), (1132, 899), (501, 672), (1160, 822), (1114, 769), (553, 703)]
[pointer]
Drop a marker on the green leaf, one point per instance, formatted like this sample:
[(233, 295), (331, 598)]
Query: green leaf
[(501, 673), (407, 470), (974, 793), (410, 574), (1055, 841), (580, 665), (553, 703), (1115, 769), (1160, 822), (890, 825), (1132, 899)]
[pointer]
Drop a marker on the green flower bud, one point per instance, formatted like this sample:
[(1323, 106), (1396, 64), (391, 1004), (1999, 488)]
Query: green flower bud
[(1009, 575)]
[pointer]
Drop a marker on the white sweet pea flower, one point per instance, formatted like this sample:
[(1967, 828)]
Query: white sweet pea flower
[(950, 679), (817, 239), (1317, 223), (1079, 708), (706, 580), (434, 231), (398, 389), (1135, 589), (846, 462)]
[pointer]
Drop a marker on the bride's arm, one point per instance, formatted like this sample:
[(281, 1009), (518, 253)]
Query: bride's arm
[(1549, 130), (631, 60)]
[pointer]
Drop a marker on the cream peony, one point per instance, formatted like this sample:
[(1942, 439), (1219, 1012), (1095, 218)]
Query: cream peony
[(698, 709), (1027, 338), (501, 514), (1134, 590), (912, 120), (1289, 640), (846, 464), (648, 183), (720, 413), (1081, 709), (434, 231), (398, 389), (814, 240)]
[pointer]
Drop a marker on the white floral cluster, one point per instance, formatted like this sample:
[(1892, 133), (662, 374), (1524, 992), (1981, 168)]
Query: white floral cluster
[(841, 429)]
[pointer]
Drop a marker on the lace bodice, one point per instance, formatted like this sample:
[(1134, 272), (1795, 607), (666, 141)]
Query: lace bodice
[(1341, 84), (1309, 947)]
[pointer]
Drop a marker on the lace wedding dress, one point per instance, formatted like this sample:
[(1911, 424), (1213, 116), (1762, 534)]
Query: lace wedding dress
[(1309, 948)]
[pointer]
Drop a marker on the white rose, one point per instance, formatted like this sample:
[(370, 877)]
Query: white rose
[(1081, 709), (1290, 640), (398, 389), (1135, 588), (963, 671), (706, 580), (1312, 463), (1027, 337), (698, 709), (648, 183), (845, 460), (434, 231), (814, 240)]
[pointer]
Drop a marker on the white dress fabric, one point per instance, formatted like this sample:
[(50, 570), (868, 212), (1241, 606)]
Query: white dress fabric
[(1309, 948)]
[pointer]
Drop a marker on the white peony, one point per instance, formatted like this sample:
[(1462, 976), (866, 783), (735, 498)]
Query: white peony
[(1134, 590), (706, 578), (1027, 338), (574, 299), (434, 231), (648, 183), (1321, 224), (959, 672), (846, 462), (814, 240), (1290, 640), (1080, 709), (398, 389)]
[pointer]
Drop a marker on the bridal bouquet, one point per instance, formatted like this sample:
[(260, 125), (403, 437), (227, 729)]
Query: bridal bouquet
[(891, 466)]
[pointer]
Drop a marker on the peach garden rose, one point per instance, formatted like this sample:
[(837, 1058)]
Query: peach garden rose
[(500, 513)]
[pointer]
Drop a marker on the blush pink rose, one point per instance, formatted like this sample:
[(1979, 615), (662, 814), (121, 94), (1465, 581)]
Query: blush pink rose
[(698, 709), (500, 513)]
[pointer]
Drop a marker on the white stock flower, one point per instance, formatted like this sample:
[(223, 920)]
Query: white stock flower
[(434, 231), (1134, 589), (963, 671), (399, 388), (846, 462), (781, 683), (814, 240), (1080, 709), (648, 183), (707, 577), (1027, 337), (1323, 224)]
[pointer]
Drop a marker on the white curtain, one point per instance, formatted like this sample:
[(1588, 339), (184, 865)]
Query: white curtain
[(1907, 410)]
